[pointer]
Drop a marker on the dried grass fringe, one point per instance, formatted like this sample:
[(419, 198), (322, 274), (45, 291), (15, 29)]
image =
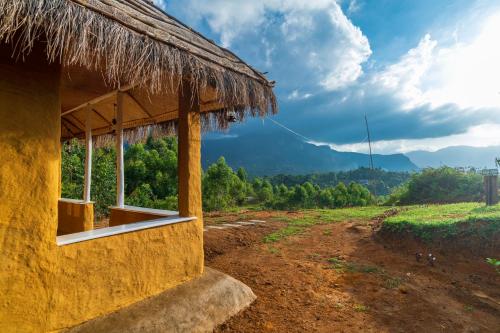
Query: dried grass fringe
[(78, 36)]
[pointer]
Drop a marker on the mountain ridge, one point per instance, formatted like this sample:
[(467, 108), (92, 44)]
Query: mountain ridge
[(456, 156), (270, 154)]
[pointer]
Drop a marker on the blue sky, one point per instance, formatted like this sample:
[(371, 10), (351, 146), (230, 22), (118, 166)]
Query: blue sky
[(427, 72)]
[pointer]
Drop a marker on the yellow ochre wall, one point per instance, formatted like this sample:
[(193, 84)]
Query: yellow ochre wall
[(29, 151), (74, 217), (44, 287)]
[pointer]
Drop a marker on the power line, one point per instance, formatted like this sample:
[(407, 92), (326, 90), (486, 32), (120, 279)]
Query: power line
[(290, 130), (303, 136)]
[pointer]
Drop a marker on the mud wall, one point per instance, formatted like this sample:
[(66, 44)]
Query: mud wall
[(120, 216), (74, 217), (45, 287)]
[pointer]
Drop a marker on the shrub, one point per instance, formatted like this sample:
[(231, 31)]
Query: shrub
[(442, 185)]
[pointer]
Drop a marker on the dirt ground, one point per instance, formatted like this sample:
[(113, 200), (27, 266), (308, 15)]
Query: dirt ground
[(344, 277)]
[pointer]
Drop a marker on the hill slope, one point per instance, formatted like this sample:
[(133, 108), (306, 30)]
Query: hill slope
[(281, 153), (458, 156)]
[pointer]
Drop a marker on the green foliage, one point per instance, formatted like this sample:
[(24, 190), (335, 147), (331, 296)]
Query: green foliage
[(103, 175), (151, 181), (283, 233), (222, 188), (435, 221), (495, 263), (155, 164), (377, 181), (442, 185), (103, 189), (142, 196), (312, 196), (72, 170)]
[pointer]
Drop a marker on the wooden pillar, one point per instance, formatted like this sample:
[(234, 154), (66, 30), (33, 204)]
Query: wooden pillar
[(88, 155), (120, 174), (491, 190), (189, 160)]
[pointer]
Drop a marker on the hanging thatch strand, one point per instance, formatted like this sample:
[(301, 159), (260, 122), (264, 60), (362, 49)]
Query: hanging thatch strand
[(132, 42)]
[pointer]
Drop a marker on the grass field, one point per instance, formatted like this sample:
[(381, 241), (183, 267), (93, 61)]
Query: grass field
[(432, 221), (306, 218), (426, 222)]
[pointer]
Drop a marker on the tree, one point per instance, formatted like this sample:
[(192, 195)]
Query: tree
[(299, 196), (341, 195), (441, 185), (222, 188), (142, 196), (72, 170), (103, 188), (326, 198), (265, 192), (242, 174)]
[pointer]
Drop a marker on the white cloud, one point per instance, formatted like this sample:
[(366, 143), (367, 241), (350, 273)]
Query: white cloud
[(315, 33), (160, 3), (404, 78), (354, 6), (296, 95), (465, 73), (356, 50), (477, 136)]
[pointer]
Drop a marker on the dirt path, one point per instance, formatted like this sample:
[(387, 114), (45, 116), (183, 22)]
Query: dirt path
[(340, 278)]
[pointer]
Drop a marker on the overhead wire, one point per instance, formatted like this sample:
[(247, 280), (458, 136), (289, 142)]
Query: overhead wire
[(298, 134)]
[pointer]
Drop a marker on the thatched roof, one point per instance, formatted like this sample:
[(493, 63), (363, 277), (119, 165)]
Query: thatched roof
[(106, 45)]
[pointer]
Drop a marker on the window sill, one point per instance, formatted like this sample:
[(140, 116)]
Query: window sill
[(151, 211), (75, 201), (121, 229)]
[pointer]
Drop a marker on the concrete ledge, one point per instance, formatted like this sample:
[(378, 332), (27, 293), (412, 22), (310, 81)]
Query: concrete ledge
[(160, 212), (196, 306)]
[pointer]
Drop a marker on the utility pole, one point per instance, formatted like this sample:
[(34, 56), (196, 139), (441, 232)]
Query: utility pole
[(371, 156), (369, 141)]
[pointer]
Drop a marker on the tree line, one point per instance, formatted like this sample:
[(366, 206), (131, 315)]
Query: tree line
[(151, 181), (377, 181)]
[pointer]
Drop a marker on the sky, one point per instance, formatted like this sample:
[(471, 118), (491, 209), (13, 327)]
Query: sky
[(426, 73)]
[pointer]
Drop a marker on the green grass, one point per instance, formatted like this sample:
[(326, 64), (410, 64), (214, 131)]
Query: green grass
[(342, 266), (392, 282), (308, 218), (282, 233), (469, 308), (336, 263), (360, 308), (345, 214), (495, 263), (441, 221), (273, 250), (327, 233)]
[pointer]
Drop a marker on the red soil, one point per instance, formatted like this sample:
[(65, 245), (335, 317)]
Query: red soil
[(381, 288)]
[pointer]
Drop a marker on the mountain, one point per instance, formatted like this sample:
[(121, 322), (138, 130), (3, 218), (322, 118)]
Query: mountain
[(457, 156), (280, 153)]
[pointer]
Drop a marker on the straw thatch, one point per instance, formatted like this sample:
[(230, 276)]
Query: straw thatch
[(131, 42)]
